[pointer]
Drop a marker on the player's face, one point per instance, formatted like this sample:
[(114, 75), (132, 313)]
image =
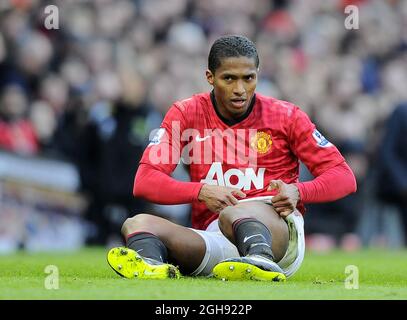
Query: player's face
[(234, 83)]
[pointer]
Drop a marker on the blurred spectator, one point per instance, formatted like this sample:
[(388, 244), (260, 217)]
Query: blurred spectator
[(16, 131), (392, 164), (44, 122), (111, 146), (54, 91)]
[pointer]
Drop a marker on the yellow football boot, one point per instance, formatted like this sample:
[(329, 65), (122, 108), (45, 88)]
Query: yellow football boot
[(129, 264), (254, 267)]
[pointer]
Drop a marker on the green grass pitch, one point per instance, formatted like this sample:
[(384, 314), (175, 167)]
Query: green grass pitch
[(85, 275)]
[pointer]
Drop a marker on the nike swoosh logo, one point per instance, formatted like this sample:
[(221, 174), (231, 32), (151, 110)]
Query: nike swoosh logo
[(199, 139), (252, 236)]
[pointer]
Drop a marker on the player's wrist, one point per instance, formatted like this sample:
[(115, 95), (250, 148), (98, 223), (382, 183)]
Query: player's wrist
[(298, 191), (201, 193)]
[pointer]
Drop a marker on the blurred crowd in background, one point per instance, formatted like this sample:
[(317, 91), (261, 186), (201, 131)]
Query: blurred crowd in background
[(91, 91)]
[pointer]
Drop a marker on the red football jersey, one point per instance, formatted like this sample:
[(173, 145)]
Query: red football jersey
[(266, 145)]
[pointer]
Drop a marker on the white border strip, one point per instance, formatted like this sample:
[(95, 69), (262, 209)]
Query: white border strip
[(265, 199)]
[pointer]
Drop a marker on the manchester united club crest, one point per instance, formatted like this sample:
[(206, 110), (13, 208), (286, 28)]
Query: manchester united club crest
[(261, 142)]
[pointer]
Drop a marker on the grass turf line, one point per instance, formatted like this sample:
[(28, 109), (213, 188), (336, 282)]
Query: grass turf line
[(86, 275)]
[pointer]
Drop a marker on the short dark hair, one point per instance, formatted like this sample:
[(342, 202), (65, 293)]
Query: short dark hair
[(231, 46)]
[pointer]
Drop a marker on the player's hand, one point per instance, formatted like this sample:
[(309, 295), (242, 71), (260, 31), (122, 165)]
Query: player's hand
[(218, 198), (286, 199)]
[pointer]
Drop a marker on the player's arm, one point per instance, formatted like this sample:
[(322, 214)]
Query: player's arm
[(332, 184), (333, 177), (159, 187)]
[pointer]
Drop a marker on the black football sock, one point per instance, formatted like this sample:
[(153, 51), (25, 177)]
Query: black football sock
[(252, 237), (148, 246)]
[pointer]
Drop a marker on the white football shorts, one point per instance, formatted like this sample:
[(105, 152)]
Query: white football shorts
[(219, 248)]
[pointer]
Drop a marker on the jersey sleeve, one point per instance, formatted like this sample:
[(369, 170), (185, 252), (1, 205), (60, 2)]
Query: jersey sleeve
[(333, 184), (310, 146), (164, 150)]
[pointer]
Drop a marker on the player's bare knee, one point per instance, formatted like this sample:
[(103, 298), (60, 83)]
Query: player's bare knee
[(228, 215), (139, 222), (226, 218), (224, 223)]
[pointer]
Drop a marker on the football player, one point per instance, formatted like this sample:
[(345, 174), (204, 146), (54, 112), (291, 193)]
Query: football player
[(243, 150)]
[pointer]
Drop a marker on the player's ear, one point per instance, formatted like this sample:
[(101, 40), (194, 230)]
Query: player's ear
[(209, 77)]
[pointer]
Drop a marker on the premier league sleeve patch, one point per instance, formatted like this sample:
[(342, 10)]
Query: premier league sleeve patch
[(321, 140), (156, 136)]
